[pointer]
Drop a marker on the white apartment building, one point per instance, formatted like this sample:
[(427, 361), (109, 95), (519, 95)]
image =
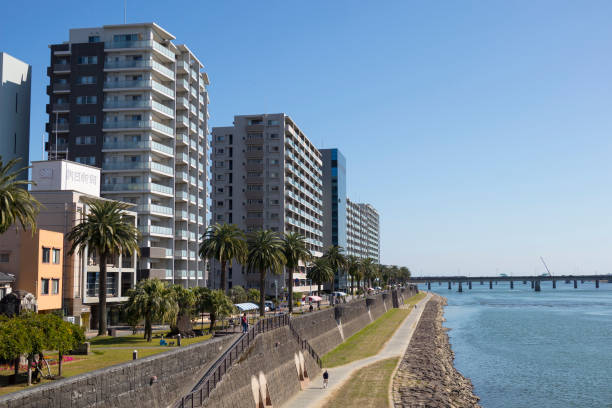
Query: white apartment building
[(15, 85), (362, 230), (129, 100), (266, 174)]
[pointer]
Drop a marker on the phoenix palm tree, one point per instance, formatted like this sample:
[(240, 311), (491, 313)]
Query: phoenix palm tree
[(295, 250), (16, 203), (335, 258), (369, 270), (152, 300), (320, 272), (265, 254), (105, 231), (404, 274), (223, 242), (353, 266)]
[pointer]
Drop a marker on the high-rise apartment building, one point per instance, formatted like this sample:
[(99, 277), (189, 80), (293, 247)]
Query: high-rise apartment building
[(334, 205), (266, 174), (362, 230), (126, 99), (15, 85)]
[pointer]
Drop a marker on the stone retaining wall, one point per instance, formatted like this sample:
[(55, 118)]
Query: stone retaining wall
[(128, 384)]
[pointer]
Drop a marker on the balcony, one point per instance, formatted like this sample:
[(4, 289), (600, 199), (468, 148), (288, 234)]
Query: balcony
[(131, 84), (182, 66), (163, 109), (126, 124), (158, 188), (154, 208), (59, 127), (163, 70), (182, 102), (61, 68), (182, 84), (134, 187), (181, 196), (128, 44), (164, 51), (182, 138), (60, 107), (182, 176), (155, 230), (163, 89), (128, 64), (162, 168), (61, 87), (126, 105), (140, 145)]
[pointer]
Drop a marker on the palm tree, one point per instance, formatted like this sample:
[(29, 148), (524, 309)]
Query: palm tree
[(353, 266), (185, 300), (105, 231), (335, 259), (16, 203), (320, 272), (404, 274), (223, 242), (294, 249), (265, 253), (369, 270), (152, 300)]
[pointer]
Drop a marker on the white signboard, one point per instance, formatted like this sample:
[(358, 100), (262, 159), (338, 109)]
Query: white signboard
[(65, 175)]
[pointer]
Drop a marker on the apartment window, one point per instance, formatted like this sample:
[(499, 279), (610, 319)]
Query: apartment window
[(219, 217), (254, 149), (273, 122), (46, 254), (85, 140), (254, 161), (125, 37), (255, 214), (220, 151), (255, 201), (254, 174), (91, 160), (219, 177), (274, 136), (5, 257), (87, 79), (274, 202), (274, 188), (44, 287), (254, 187), (54, 286), (90, 100), (86, 60), (255, 136), (273, 161), (94, 38), (219, 203), (255, 122), (274, 148), (219, 164), (274, 216), (220, 138), (86, 119), (56, 256), (220, 190), (274, 174)]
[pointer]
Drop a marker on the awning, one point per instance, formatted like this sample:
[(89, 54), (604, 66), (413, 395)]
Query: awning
[(315, 298), (245, 307)]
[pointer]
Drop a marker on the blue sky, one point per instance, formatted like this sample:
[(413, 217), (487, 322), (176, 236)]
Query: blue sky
[(480, 130)]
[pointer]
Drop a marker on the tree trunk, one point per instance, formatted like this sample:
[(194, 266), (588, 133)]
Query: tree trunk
[(213, 319), (16, 372), (318, 289), (223, 284), (30, 370), (148, 327), (262, 288), (290, 286), (352, 286), (102, 296), (59, 364)]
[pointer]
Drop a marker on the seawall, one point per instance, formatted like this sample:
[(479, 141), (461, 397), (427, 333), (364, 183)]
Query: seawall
[(426, 376), (131, 384)]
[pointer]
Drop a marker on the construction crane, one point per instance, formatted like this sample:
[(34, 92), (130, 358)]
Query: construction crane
[(547, 270)]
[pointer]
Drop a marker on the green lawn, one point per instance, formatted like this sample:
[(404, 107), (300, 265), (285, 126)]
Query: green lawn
[(415, 299), (369, 340), (137, 340), (366, 388)]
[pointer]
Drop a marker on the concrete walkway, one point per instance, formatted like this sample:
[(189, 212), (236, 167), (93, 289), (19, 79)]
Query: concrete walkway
[(315, 395)]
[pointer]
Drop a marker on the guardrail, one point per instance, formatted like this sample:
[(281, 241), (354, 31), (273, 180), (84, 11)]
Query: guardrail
[(306, 346), (215, 373)]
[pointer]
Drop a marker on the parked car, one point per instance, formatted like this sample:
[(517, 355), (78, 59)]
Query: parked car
[(269, 305)]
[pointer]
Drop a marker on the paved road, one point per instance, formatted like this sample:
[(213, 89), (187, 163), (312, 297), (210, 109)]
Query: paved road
[(315, 395)]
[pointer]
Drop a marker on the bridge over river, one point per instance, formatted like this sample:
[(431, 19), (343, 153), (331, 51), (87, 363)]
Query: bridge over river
[(534, 280)]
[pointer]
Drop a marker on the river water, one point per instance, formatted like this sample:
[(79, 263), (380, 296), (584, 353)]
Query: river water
[(521, 348)]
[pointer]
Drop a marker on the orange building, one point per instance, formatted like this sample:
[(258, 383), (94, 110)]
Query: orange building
[(37, 262)]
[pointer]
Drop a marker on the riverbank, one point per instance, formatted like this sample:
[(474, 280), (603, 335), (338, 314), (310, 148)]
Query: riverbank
[(426, 375)]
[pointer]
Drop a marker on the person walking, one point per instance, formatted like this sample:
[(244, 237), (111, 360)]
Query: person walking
[(325, 379), (245, 323)]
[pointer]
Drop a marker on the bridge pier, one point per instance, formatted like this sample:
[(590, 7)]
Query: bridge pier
[(449, 285), (460, 288), (537, 286), (554, 284), (481, 282), (428, 285), (524, 282), (532, 285), (575, 284), (470, 284), (511, 284), (490, 284), (439, 283), (597, 283)]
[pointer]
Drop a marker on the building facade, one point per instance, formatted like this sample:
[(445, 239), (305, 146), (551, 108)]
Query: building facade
[(266, 174), (15, 85), (127, 99), (362, 230), (334, 205), (65, 189)]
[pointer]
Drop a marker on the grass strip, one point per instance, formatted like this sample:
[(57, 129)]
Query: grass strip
[(367, 387)]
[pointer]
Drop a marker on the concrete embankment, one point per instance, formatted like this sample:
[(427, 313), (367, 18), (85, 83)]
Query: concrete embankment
[(426, 376)]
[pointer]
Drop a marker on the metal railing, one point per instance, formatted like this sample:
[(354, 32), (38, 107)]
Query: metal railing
[(220, 367), (306, 346)]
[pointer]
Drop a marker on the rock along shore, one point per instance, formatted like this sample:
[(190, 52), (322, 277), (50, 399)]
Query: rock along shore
[(426, 376)]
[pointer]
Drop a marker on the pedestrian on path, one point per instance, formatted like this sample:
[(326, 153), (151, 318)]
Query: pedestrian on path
[(325, 379), (245, 323)]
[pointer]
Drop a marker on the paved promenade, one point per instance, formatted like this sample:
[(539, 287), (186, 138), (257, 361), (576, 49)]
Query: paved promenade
[(315, 395)]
